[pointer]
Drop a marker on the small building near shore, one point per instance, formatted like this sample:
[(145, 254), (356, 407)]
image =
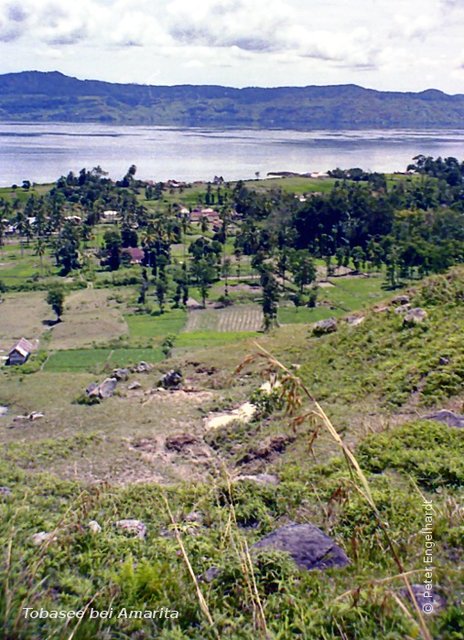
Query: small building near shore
[(20, 352), (110, 216)]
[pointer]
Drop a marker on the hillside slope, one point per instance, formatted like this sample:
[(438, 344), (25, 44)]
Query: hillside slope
[(37, 96), (377, 380)]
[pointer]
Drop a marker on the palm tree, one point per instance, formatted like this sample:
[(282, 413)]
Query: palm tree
[(40, 251)]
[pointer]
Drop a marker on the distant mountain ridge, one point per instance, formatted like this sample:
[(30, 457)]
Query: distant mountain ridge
[(51, 96)]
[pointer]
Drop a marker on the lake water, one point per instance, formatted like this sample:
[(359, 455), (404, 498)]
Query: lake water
[(43, 152)]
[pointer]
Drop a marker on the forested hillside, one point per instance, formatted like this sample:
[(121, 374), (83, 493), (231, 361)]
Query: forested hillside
[(37, 96)]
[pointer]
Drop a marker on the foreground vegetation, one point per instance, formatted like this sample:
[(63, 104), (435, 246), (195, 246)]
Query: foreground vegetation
[(361, 465), (217, 521)]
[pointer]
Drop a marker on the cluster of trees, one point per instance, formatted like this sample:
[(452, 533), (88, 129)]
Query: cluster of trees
[(408, 228)]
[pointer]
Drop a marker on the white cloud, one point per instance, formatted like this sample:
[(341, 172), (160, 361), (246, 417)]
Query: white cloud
[(378, 42)]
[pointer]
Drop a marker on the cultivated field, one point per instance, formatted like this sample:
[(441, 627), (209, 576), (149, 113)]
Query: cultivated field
[(243, 317)]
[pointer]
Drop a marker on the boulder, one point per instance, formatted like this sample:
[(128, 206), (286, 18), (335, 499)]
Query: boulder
[(121, 374), (134, 385), (402, 309), (103, 390), (142, 367), (259, 478), (94, 527), (307, 545), (35, 415), (447, 417), (354, 321), (324, 327), (270, 448), (414, 316), (107, 387), (428, 600), (180, 441), (195, 516), (400, 300), (42, 537), (171, 380), (210, 574), (132, 527), (90, 391)]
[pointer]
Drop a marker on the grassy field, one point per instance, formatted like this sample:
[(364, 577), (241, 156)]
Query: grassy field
[(99, 359), (147, 326), (353, 293), (294, 184)]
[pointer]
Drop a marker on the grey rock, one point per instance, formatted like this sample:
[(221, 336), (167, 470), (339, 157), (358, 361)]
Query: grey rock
[(402, 309), (107, 387), (103, 390), (142, 367), (401, 299), (3, 410), (195, 516), (180, 441), (210, 574), (447, 417), (425, 598), (308, 546), (414, 316), (42, 537), (94, 527), (171, 380), (35, 415), (134, 385), (132, 527), (90, 391), (260, 478), (354, 321), (121, 374), (325, 326)]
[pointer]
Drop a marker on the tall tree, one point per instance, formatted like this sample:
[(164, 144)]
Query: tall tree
[(55, 298)]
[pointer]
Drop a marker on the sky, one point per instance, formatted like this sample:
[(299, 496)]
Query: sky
[(403, 45)]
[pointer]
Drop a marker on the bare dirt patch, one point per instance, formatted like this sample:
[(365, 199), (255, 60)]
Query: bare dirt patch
[(21, 316), (90, 316)]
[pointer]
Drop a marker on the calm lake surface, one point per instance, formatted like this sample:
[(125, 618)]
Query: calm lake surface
[(43, 152)]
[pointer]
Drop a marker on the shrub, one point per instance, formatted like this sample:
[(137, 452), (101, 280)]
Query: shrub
[(431, 452)]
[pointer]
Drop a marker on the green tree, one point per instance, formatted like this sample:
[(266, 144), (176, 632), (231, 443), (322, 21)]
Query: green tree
[(225, 272), (67, 248), (160, 292), (55, 298), (302, 267), (113, 243), (204, 275), (270, 297)]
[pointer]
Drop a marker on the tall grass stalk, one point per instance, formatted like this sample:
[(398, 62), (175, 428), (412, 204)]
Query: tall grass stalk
[(201, 599), (293, 392)]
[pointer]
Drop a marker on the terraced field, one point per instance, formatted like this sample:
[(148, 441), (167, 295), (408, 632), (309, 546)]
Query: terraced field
[(244, 317)]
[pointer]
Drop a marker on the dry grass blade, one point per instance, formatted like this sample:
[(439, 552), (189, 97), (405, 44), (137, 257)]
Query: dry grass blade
[(246, 562), (79, 622), (399, 576), (353, 466), (201, 599), (41, 558)]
